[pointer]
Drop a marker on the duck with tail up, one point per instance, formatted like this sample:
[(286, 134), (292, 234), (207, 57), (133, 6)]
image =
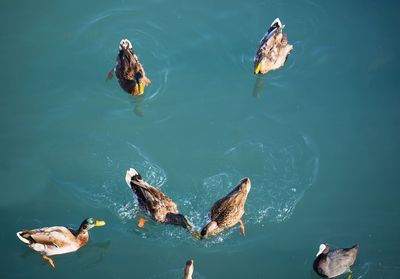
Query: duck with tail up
[(130, 73), (188, 270), (58, 240), (228, 211), (331, 263), (273, 50), (156, 204)]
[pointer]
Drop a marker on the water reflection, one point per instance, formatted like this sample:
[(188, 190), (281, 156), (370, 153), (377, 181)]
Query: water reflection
[(258, 86)]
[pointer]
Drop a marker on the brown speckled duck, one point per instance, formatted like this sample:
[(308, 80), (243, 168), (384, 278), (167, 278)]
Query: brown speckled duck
[(130, 73), (331, 263), (273, 50), (156, 204), (58, 240), (228, 211)]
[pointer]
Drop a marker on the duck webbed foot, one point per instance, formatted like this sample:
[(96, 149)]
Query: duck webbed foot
[(350, 274), (110, 74), (50, 261), (242, 227), (141, 222)]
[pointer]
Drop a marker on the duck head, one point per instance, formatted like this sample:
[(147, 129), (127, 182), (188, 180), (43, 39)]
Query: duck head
[(89, 223), (323, 249)]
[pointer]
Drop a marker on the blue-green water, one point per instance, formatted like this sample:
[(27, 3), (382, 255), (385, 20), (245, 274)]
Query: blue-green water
[(318, 138)]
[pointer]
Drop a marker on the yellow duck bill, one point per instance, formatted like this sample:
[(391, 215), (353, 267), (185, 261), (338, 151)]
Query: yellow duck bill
[(100, 223)]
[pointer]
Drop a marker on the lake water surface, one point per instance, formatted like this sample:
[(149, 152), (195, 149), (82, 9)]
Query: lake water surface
[(318, 138)]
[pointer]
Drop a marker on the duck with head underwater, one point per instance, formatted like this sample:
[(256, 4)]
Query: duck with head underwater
[(228, 211), (156, 204), (58, 240), (130, 73), (273, 49)]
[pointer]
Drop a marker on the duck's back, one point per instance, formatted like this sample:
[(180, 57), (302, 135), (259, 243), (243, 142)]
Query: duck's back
[(336, 262)]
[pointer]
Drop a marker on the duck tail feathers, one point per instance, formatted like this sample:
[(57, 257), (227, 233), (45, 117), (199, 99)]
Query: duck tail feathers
[(23, 239), (130, 175), (277, 21), (125, 44)]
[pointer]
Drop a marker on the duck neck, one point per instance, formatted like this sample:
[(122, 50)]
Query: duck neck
[(82, 236)]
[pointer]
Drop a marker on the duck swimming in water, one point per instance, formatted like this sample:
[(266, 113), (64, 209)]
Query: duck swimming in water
[(156, 204), (130, 73), (273, 50), (58, 240), (228, 211), (332, 263)]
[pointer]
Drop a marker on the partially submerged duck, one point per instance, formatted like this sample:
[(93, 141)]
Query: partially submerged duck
[(273, 50), (331, 263), (156, 204), (188, 271), (130, 73), (228, 211), (58, 240)]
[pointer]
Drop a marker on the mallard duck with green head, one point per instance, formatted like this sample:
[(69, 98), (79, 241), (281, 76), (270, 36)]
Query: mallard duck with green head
[(58, 240), (228, 211), (156, 204), (273, 50), (130, 73)]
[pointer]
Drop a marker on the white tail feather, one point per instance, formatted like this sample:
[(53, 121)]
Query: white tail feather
[(22, 239), (277, 21), (129, 174), (125, 43)]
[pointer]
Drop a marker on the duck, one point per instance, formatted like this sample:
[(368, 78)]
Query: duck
[(130, 73), (57, 240), (331, 263), (273, 50), (228, 211), (188, 270), (155, 204)]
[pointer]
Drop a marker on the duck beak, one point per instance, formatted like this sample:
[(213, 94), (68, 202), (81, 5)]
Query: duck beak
[(141, 88), (100, 223), (258, 68)]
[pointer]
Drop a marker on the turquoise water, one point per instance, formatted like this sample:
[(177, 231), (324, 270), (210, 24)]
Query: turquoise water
[(318, 138)]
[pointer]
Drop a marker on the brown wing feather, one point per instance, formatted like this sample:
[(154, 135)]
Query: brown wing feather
[(56, 236), (153, 200)]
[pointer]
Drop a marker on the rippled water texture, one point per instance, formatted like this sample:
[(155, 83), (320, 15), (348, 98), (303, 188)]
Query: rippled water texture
[(319, 138)]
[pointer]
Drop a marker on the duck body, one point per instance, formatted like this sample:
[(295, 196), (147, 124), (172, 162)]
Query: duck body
[(58, 240), (155, 203), (331, 263), (228, 211), (53, 240), (273, 49), (130, 73)]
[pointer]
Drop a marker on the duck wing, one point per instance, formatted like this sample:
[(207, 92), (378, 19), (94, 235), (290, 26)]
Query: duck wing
[(56, 236), (339, 261), (127, 64), (151, 200), (228, 209), (275, 26)]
